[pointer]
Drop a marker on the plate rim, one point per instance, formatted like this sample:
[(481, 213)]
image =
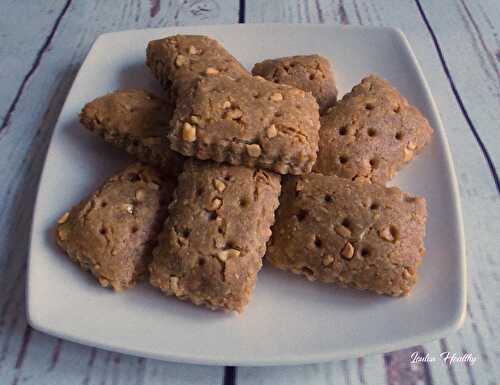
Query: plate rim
[(454, 322)]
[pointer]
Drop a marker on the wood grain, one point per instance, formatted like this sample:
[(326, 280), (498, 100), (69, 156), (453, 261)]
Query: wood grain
[(37, 66)]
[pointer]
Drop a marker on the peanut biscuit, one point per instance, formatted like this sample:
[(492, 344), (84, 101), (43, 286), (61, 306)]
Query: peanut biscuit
[(355, 234), (113, 232), (307, 72), (136, 121), (371, 133), (247, 121), (212, 244)]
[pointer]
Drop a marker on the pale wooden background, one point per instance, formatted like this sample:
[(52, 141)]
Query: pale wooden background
[(42, 44)]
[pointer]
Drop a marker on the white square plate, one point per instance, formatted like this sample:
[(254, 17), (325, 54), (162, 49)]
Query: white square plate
[(289, 320)]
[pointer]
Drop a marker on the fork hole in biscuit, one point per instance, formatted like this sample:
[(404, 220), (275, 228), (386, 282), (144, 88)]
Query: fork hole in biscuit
[(318, 242), (343, 159), (185, 233), (372, 132), (346, 222), (301, 215), (135, 143), (396, 109), (365, 252), (201, 261), (343, 130), (103, 231), (399, 135), (199, 191), (211, 215), (104, 204), (311, 76), (328, 198), (369, 106), (374, 162), (134, 229), (133, 177), (243, 202), (374, 206)]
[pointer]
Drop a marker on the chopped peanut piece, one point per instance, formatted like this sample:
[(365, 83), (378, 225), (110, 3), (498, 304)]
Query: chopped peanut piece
[(272, 131), (188, 132), (276, 97), (64, 218), (254, 150), (348, 251)]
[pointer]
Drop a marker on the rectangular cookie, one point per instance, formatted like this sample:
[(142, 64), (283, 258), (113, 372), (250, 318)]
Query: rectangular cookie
[(113, 232), (177, 61), (248, 121), (311, 73), (213, 241), (136, 121), (371, 133), (355, 234)]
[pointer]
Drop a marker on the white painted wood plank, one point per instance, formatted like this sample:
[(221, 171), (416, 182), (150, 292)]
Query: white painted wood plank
[(20, 46), (466, 32), (26, 356)]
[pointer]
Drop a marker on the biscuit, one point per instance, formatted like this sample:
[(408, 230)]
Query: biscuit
[(213, 241), (351, 233), (113, 232), (248, 121), (307, 72), (136, 121), (371, 133)]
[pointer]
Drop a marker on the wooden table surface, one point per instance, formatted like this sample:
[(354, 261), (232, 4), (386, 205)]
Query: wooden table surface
[(43, 44)]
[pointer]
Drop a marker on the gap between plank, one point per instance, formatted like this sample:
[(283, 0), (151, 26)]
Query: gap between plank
[(484, 151), (229, 376), (241, 13), (34, 66)]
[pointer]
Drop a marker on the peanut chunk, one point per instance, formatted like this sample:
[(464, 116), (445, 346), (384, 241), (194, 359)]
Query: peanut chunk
[(408, 154), (188, 132), (348, 251), (226, 105), (64, 218), (229, 253), (128, 208), (276, 97), (386, 234), (180, 60), (272, 131), (254, 150), (193, 50), (211, 71), (327, 260), (219, 185), (215, 205)]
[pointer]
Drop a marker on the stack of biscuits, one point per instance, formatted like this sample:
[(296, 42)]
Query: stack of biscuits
[(234, 166)]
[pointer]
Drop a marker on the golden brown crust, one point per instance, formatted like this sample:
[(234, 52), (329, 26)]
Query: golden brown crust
[(247, 121), (354, 234), (136, 121), (113, 232), (211, 247), (371, 133), (307, 72)]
